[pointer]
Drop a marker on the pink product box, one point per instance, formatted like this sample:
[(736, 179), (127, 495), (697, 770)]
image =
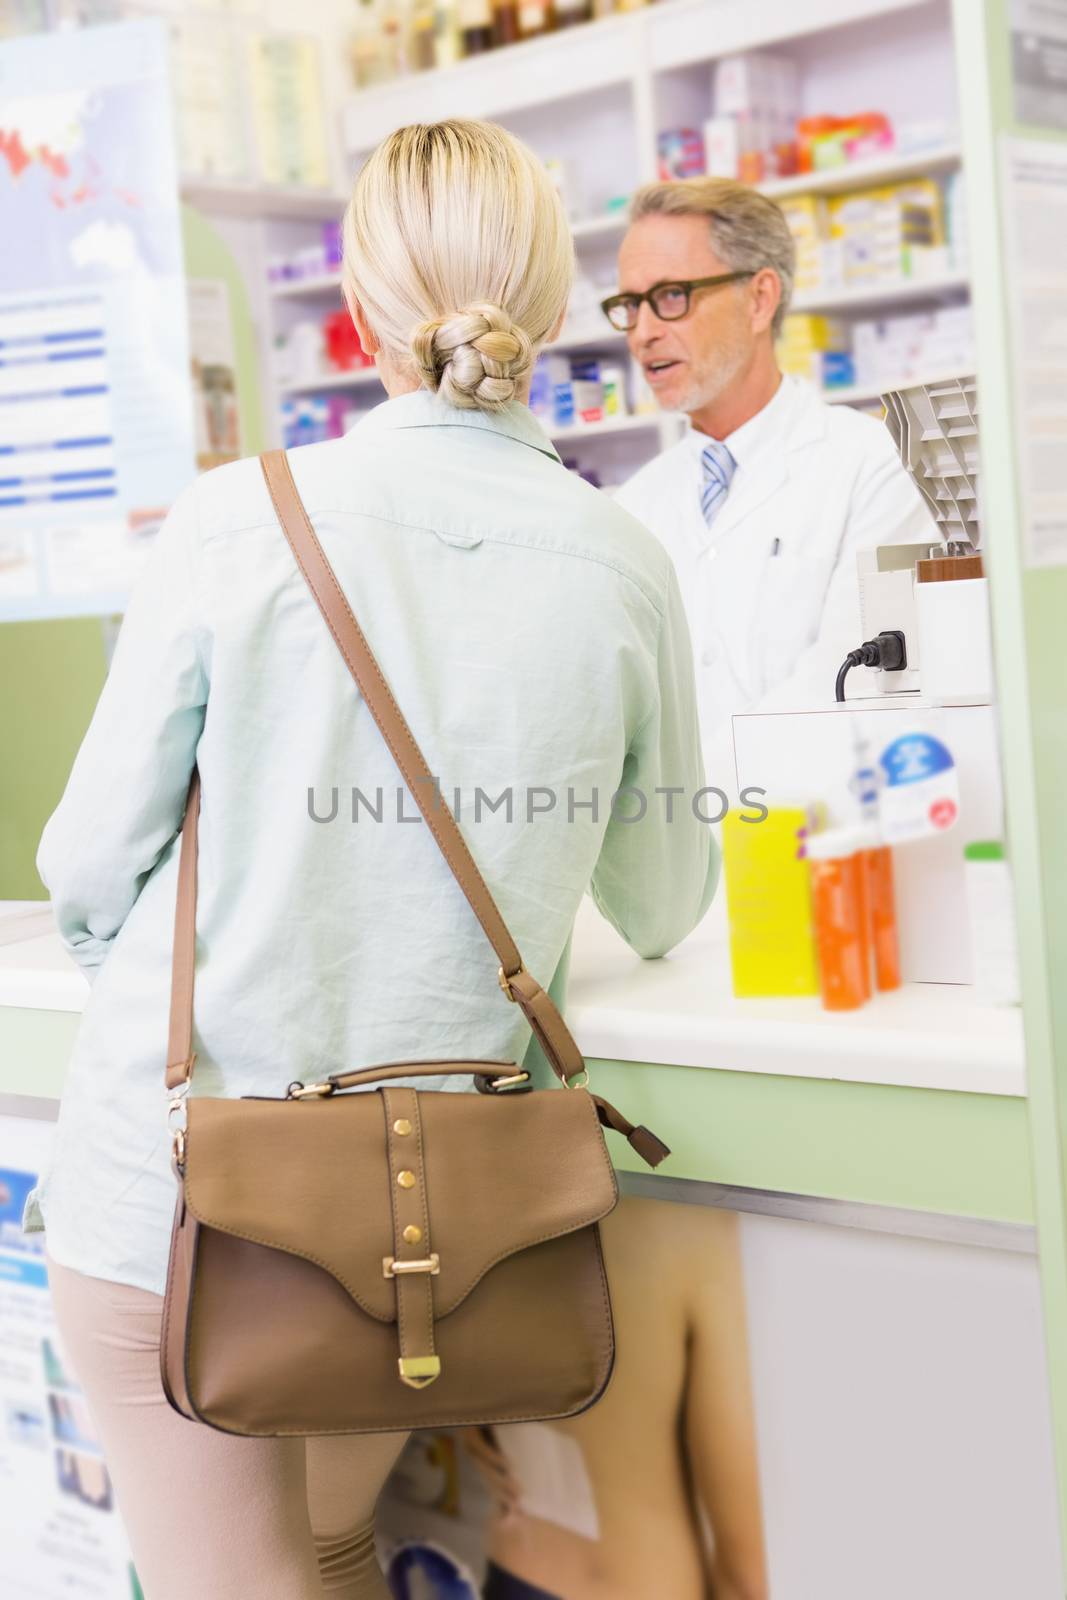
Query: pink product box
[(681, 153)]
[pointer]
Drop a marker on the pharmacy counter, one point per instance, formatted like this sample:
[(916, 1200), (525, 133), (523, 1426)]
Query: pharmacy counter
[(917, 1102)]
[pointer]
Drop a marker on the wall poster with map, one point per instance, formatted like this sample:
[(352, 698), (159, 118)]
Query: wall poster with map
[(96, 417)]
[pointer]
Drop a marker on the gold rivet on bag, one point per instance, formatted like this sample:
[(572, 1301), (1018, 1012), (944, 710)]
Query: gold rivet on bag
[(401, 1125), (412, 1235), (406, 1180)]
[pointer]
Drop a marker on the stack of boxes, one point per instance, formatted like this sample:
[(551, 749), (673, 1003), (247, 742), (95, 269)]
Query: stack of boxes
[(899, 350), (882, 235), (752, 135), (817, 349), (808, 223), (311, 418), (566, 393), (867, 237), (313, 261), (877, 353)]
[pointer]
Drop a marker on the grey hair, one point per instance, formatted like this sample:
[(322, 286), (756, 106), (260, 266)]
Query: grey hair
[(748, 230)]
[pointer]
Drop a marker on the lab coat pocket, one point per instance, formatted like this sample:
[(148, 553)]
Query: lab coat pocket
[(788, 612)]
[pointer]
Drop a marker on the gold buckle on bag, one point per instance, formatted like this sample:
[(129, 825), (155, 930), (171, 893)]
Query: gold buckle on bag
[(391, 1267), (505, 983), (418, 1371), (309, 1091), (176, 1109)]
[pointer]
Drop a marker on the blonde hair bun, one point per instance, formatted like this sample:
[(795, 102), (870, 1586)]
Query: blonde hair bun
[(457, 250), (475, 358)]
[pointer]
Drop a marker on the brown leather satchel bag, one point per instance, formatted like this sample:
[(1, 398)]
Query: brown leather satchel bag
[(398, 1258)]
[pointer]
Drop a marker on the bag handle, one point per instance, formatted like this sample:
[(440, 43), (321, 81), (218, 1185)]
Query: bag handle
[(540, 1010)]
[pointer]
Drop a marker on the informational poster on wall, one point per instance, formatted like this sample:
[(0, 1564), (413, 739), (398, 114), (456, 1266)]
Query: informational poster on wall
[(1039, 62), (96, 420), (62, 1537), (654, 1490), (1035, 226)]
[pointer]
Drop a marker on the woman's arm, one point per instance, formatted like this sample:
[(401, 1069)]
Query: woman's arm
[(126, 792), (656, 876)]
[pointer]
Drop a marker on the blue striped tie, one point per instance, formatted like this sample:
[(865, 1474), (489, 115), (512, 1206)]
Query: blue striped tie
[(719, 467)]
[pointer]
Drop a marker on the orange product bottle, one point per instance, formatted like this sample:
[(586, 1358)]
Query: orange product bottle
[(839, 913), (883, 916)]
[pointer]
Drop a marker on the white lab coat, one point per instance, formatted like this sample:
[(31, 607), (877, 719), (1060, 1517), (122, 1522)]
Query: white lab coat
[(771, 589)]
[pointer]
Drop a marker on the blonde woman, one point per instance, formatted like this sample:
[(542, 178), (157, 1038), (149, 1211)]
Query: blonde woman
[(534, 637)]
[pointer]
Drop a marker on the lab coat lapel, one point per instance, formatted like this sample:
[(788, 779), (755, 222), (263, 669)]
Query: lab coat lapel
[(756, 480)]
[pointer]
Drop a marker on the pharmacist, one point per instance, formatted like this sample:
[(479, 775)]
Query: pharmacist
[(765, 501)]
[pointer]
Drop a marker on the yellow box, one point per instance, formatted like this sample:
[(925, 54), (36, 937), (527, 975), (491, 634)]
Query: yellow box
[(768, 901)]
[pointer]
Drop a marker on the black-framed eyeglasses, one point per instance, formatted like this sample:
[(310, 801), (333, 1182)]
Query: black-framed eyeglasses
[(669, 301)]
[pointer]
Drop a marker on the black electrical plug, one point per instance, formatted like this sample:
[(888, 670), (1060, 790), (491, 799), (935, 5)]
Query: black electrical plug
[(889, 651)]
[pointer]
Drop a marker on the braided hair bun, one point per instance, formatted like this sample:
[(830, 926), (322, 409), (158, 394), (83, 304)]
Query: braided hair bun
[(475, 359)]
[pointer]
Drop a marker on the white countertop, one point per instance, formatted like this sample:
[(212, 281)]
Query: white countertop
[(681, 1009), (678, 1010)]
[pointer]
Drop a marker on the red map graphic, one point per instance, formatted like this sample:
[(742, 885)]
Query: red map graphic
[(18, 158), (87, 187)]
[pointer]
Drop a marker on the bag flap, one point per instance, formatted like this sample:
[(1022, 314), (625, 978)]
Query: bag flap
[(502, 1172)]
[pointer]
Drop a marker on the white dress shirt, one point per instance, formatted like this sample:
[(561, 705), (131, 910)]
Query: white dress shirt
[(770, 589), (534, 637)]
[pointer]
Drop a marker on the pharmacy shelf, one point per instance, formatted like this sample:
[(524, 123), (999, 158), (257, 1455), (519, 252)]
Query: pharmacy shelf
[(605, 227), (360, 378), (326, 283), (591, 336), (573, 93), (573, 62), (263, 200), (893, 168), (580, 432), (857, 393), (946, 285), (687, 33), (588, 229), (576, 62)]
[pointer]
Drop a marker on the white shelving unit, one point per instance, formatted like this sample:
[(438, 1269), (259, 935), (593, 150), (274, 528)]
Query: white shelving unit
[(319, 383), (596, 97), (326, 285), (905, 292), (861, 393), (939, 158), (262, 200), (611, 427)]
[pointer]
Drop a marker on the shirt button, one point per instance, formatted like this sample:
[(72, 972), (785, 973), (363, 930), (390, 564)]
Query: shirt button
[(709, 657)]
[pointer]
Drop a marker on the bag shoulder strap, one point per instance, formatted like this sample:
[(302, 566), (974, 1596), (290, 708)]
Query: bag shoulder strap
[(539, 1008)]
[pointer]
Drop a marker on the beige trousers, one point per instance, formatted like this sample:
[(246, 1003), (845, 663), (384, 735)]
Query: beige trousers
[(210, 1516)]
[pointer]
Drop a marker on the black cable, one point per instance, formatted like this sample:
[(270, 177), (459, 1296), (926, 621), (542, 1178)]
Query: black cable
[(889, 651)]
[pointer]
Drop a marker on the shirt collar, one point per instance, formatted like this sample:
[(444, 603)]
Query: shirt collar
[(754, 436), (423, 409)]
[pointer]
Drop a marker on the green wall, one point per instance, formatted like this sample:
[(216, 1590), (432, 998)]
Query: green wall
[(1029, 617), (50, 676), (51, 673)]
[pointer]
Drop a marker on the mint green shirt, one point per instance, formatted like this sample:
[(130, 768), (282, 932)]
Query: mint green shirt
[(534, 637)]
